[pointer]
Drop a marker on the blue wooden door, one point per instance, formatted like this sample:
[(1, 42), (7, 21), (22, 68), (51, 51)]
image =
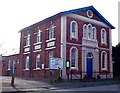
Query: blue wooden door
[(89, 67)]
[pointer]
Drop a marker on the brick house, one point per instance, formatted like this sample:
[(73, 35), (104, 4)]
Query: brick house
[(80, 36), (10, 64)]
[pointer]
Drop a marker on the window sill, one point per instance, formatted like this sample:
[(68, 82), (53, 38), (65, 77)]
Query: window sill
[(73, 68), (103, 43), (74, 38), (104, 69), (51, 39), (89, 40), (37, 69), (26, 69), (37, 43), (26, 46)]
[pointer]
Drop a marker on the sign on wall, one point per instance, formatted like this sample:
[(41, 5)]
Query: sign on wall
[(56, 63)]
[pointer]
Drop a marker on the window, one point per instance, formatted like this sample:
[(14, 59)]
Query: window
[(38, 65), (39, 36), (89, 13), (51, 31), (27, 63), (74, 57), (85, 31), (94, 33), (89, 31), (51, 54), (103, 36), (74, 29), (104, 60), (28, 40), (9, 64)]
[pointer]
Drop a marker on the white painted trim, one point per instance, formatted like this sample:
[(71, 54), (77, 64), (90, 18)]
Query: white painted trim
[(47, 68), (63, 43), (37, 43), (26, 69), (106, 61), (27, 46), (84, 32), (51, 39), (50, 44), (50, 48), (105, 42), (104, 48), (88, 30), (52, 27), (25, 36), (88, 13), (37, 56), (76, 32), (37, 50), (82, 18), (74, 44), (88, 46), (35, 33), (110, 45), (36, 69), (27, 53), (76, 61)]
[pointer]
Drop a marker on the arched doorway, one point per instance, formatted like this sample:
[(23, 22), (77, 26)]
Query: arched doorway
[(89, 65)]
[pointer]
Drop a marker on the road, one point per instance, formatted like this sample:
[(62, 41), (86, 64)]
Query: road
[(28, 85)]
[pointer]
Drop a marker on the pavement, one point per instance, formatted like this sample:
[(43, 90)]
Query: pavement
[(34, 84)]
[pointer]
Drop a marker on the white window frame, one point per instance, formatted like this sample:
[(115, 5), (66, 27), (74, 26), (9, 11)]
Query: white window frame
[(76, 61), (9, 64), (51, 31), (94, 35), (89, 32), (38, 66), (103, 40), (89, 11), (28, 40), (27, 62), (39, 36), (105, 64), (84, 31), (76, 30)]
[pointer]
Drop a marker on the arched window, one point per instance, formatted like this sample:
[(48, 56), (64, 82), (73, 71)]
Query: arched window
[(94, 33), (38, 61), (104, 60), (39, 35), (27, 63), (28, 39), (74, 29), (89, 55), (103, 36), (89, 31), (74, 57), (85, 31)]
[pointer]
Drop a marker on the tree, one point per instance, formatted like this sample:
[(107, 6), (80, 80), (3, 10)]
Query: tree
[(116, 59)]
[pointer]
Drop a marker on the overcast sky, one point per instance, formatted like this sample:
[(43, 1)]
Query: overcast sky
[(18, 14)]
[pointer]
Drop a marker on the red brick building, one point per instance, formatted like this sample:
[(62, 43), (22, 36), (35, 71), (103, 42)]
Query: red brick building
[(81, 36), (10, 65)]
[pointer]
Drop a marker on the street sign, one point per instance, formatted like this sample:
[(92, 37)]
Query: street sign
[(56, 63)]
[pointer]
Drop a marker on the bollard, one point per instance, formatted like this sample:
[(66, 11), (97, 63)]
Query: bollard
[(12, 80), (51, 78)]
